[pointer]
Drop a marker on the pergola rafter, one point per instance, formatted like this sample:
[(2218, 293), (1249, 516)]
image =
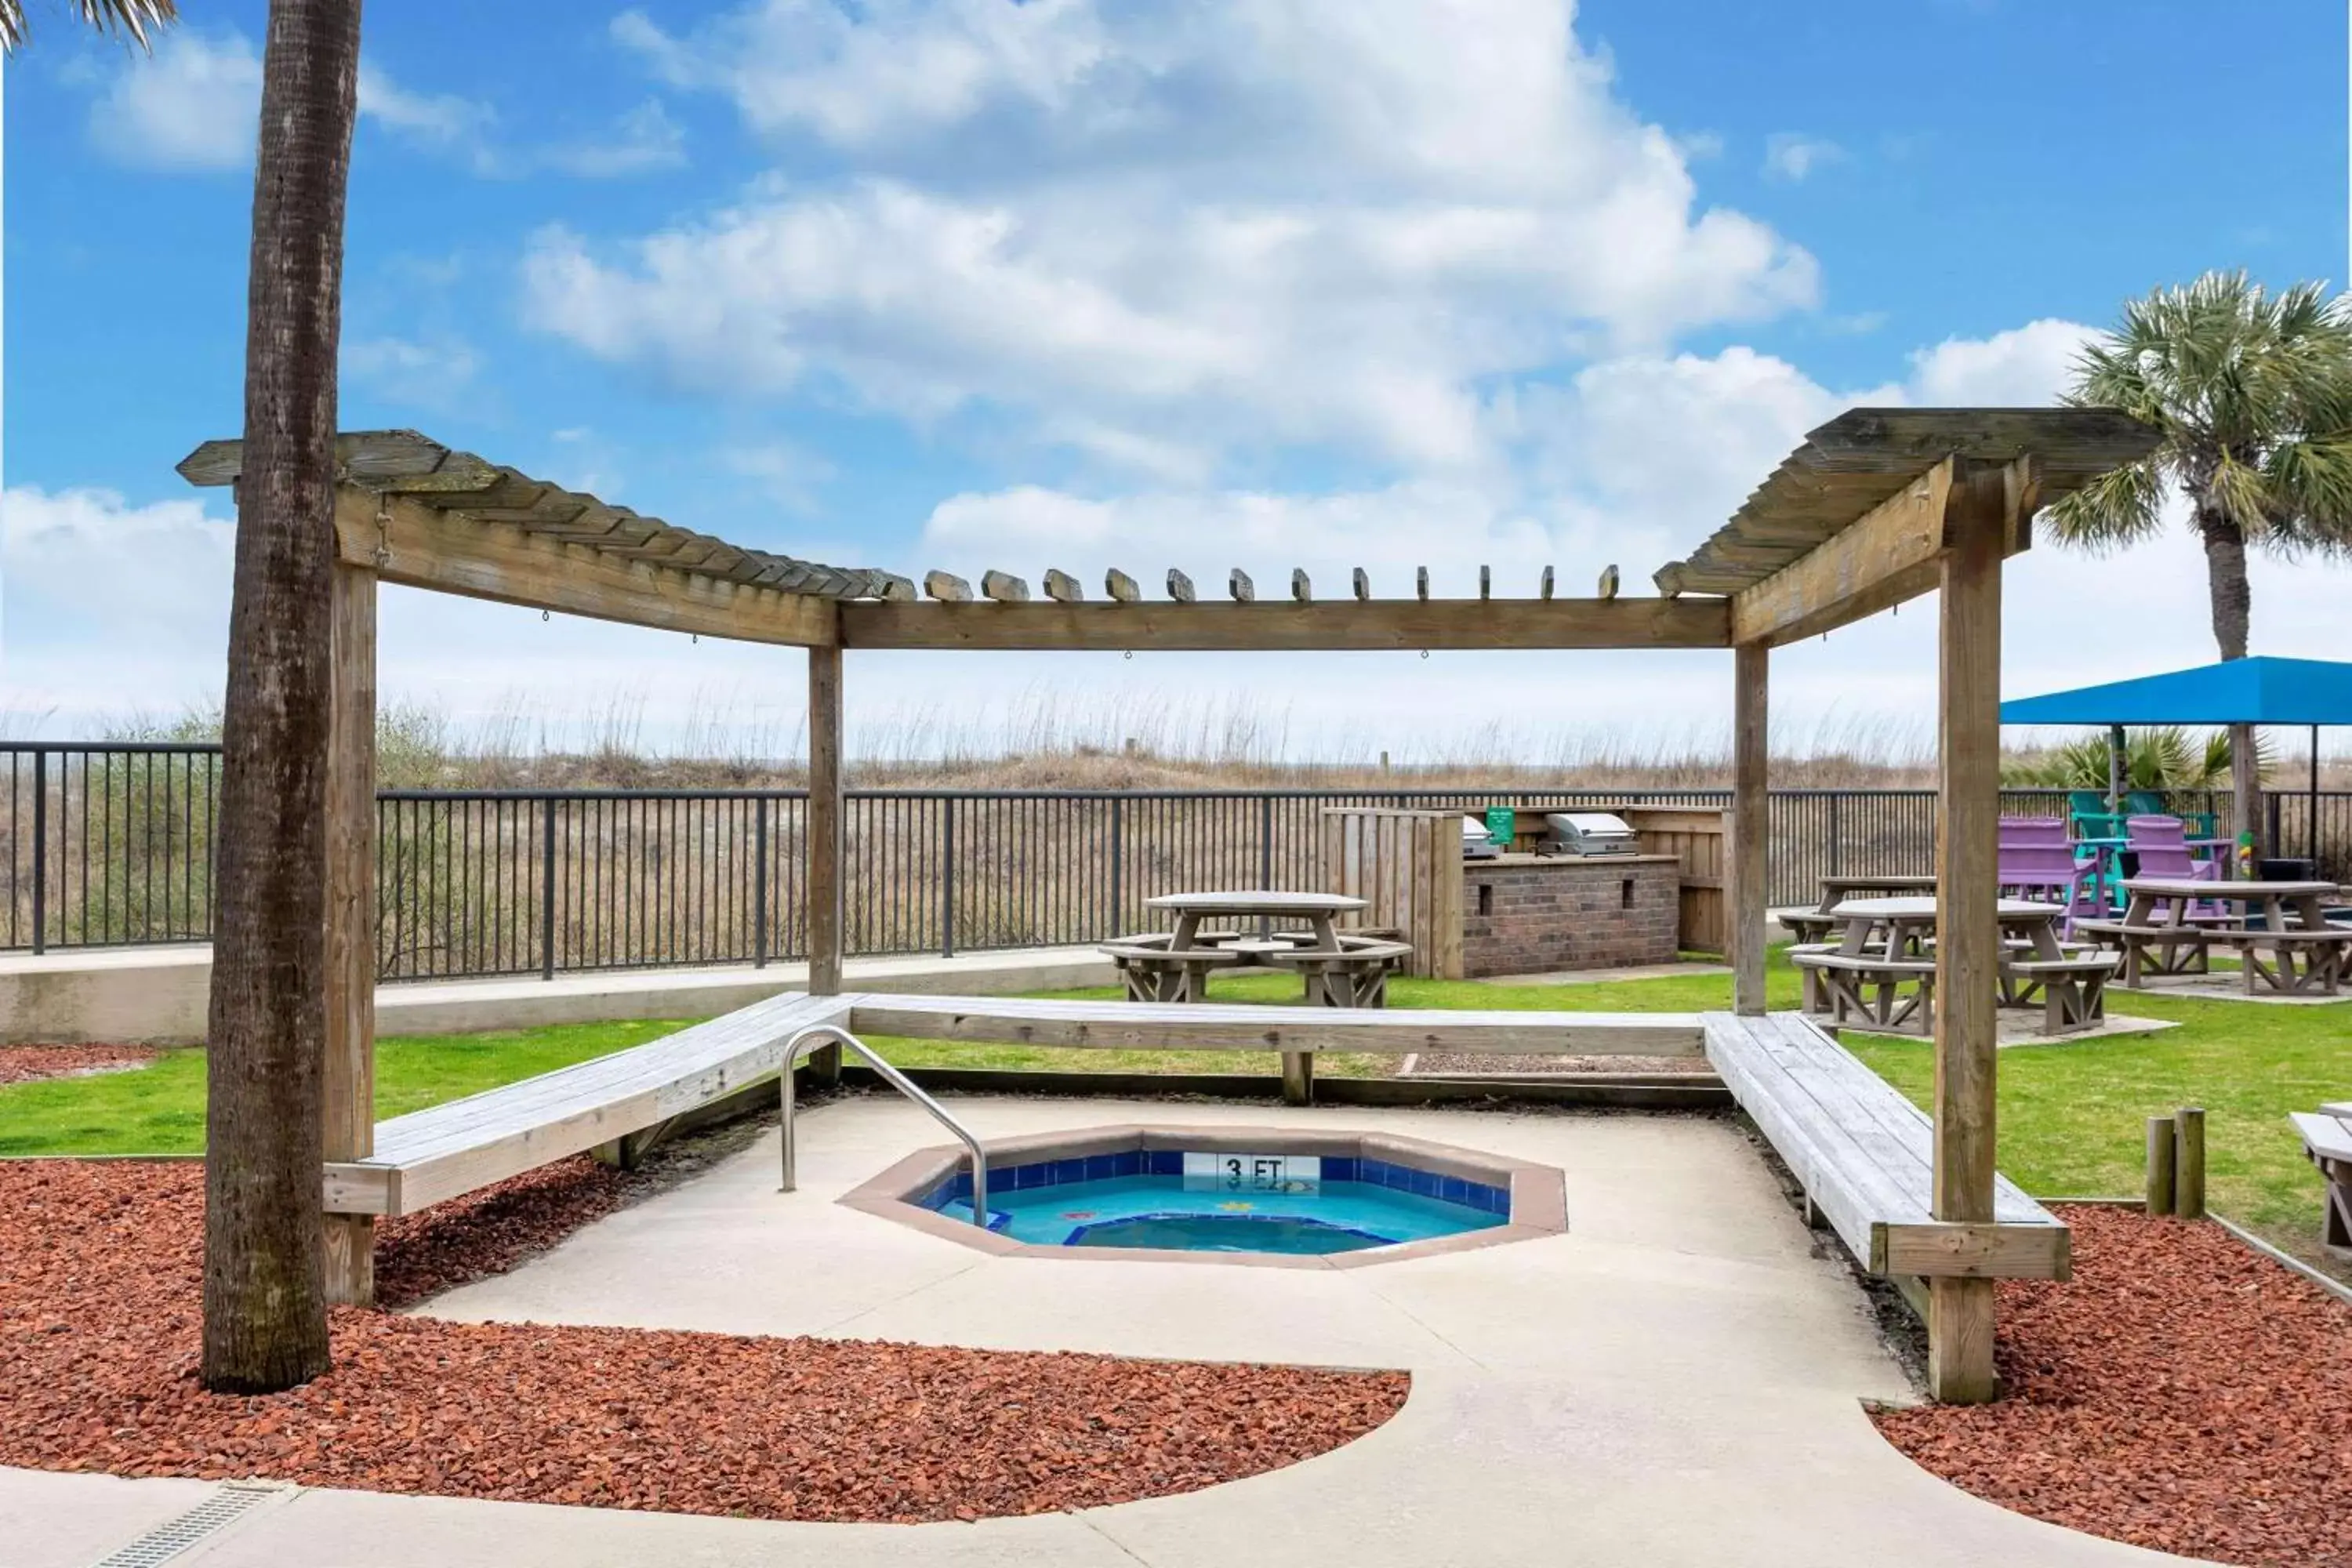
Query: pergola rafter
[(1876, 506)]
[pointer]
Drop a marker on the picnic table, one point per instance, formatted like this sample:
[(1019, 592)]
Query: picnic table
[(1321, 912), (1886, 945), (2162, 933), (1341, 969), (1817, 923)]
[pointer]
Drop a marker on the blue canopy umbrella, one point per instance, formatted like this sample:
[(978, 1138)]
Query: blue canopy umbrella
[(2305, 691)]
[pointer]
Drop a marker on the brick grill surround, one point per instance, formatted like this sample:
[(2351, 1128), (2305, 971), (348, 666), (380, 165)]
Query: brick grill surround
[(1528, 914)]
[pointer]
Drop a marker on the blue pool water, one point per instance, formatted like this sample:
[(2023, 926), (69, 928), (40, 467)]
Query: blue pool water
[(1295, 1205)]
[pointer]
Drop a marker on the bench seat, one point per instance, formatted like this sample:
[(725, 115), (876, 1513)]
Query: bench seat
[(445, 1150), (1863, 1155), (2328, 1139)]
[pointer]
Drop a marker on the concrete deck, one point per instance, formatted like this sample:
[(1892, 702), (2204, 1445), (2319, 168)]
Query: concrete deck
[(157, 995), (1676, 1380)]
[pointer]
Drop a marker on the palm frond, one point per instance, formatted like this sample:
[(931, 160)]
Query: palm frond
[(2119, 508), (136, 20), (2309, 486)]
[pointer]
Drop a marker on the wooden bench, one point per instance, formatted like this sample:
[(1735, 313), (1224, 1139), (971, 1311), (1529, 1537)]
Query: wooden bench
[(1806, 924), (2328, 1139), (1863, 1155), (1865, 987), (2304, 960), (2074, 989), (2322, 955), (447, 1150), (1155, 971), (1355, 976), (1297, 1033)]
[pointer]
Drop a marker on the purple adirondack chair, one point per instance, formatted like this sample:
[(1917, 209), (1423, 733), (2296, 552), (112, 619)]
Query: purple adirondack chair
[(2035, 830), (2162, 845), (2050, 873)]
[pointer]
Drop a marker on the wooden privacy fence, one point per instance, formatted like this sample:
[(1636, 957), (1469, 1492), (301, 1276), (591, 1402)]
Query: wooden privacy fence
[(1407, 863)]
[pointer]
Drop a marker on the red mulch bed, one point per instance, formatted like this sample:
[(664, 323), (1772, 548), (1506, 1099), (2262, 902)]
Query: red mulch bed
[(2184, 1392), (99, 1341), (24, 1064)]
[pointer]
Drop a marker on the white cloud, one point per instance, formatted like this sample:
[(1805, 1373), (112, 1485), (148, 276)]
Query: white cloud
[(1793, 156), (195, 104), (1165, 234), (431, 376), (107, 608), (644, 140), (2022, 367), (432, 119)]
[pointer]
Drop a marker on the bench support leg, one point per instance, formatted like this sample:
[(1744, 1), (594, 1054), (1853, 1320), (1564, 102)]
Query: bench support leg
[(2335, 1230), (1298, 1077), (1959, 1340)]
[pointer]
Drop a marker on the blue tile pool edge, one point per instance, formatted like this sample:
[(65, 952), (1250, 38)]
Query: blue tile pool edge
[(1481, 1197)]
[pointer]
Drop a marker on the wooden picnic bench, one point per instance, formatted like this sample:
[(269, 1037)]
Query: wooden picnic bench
[(1866, 988), (1888, 944), (1863, 1153), (1153, 970), (2294, 952), (1355, 976), (2328, 1139)]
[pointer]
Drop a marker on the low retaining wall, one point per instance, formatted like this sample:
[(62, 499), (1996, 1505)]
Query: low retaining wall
[(158, 996)]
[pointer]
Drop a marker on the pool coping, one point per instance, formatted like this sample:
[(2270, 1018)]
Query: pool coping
[(1539, 1192)]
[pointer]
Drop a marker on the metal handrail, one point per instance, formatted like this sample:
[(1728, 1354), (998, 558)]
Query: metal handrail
[(817, 1034)]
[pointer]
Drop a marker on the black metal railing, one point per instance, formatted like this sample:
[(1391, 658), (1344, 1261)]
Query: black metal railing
[(112, 845)]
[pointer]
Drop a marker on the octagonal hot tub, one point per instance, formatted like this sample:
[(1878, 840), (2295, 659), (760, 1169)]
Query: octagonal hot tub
[(1230, 1195)]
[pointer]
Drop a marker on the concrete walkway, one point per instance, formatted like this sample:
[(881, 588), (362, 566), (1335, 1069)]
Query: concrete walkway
[(1676, 1381)]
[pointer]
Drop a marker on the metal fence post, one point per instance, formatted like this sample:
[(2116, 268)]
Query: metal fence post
[(760, 883), (1118, 868), (947, 878), (1837, 845), (40, 850), (1266, 842), (547, 889)]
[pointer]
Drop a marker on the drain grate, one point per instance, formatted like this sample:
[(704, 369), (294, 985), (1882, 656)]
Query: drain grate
[(171, 1538)]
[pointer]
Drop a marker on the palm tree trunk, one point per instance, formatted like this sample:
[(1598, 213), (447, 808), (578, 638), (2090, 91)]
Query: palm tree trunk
[(265, 1302), (2233, 602)]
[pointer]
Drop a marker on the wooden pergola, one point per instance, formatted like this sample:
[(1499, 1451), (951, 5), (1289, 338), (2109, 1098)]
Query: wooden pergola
[(1877, 506)]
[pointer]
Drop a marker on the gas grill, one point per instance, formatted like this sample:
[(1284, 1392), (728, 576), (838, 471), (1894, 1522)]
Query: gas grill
[(1586, 833)]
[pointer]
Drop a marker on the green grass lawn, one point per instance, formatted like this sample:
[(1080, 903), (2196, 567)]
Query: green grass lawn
[(2072, 1116), (160, 1109)]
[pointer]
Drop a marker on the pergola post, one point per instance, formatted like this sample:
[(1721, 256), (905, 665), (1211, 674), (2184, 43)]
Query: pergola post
[(349, 1075), (824, 842), (1968, 930), (1750, 824)]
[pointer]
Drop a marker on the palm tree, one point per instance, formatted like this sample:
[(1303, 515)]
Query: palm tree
[(265, 1297), (2253, 393), (132, 18)]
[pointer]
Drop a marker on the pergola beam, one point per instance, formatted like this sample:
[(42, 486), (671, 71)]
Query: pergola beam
[(1274, 626), (1888, 555), (421, 547)]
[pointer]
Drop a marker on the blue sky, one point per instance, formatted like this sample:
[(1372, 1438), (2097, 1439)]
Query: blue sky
[(1078, 283)]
